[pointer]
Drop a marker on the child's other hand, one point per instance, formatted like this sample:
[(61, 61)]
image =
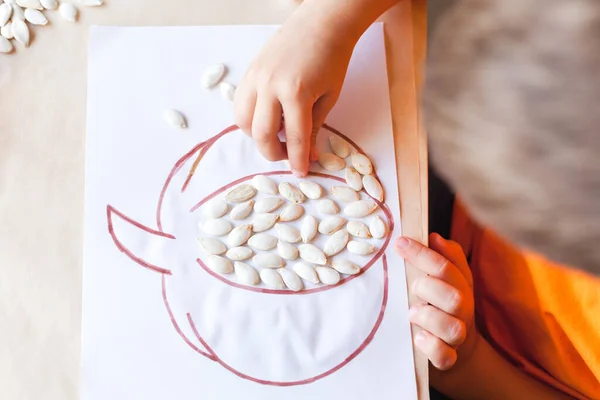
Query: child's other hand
[(447, 317), (299, 73)]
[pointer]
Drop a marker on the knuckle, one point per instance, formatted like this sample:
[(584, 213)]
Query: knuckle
[(444, 267), (457, 333), (446, 361), (292, 90), (456, 301), (294, 139), (261, 136)]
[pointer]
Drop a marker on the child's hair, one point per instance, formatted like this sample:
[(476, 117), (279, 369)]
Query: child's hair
[(512, 109)]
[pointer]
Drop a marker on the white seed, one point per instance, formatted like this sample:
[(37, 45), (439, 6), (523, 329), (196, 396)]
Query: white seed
[(312, 190), (360, 209), (336, 243), (272, 278), (219, 264), (246, 274), (331, 162), (312, 254), (330, 225), (358, 229), (264, 184), (239, 235), (291, 193), (291, 212), (17, 13), (227, 91), (174, 118), (306, 272), (345, 194), (353, 179), (35, 4), (91, 3), (308, 229), (327, 206), (264, 222), (268, 260), (291, 279), (328, 276), (35, 17), (240, 194), (267, 204), (5, 45), (217, 227), (213, 75), (288, 233), (373, 187), (239, 253), (49, 4), (6, 31), (262, 241), (361, 248), (212, 246), (287, 251), (20, 31), (216, 208), (241, 211), (362, 163), (339, 146), (5, 13), (68, 11), (378, 227), (345, 267)]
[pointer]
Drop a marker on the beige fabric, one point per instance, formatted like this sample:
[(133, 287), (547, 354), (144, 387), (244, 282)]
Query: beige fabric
[(42, 137)]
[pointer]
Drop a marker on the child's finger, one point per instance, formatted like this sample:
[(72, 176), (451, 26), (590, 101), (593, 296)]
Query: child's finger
[(454, 253), (448, 328), (298, 127), (440, 355), (266, 124), (244, 105), (442, 295)]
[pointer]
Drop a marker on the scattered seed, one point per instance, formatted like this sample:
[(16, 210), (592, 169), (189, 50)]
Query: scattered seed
[(330, 225), (212, 246), (306, 272), (217, 227), (18, 13), (267, 204), (239, 253), (262, 241), (173, 117), (213, 75), (339, 146), (362, 163), (68, 11), (308, 229), (5, 45), (345, 194), (360, 209), (6, 31), (291, 193), (5, 13), (288, 233), (360, 248), (91, 3), (327, 206), (378, 227), (312, 254), (35, 4), (291, 212), (268, 260), (328, 276), (336, 243), (291, 279), (35, 17), (246, 274), (312, 190), (353, 179), (373, 187), (20, 31), (216, 208), (287, 251), (331, 162), (345, 267), (358, 229), (272, 278), (240, 194), (227, 91), (264, 184), (49, 4), (239, 235), (219, 264), (241, 211), (264, 222)]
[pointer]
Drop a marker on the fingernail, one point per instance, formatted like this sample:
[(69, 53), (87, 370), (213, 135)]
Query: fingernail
[(402, 243), (420, 337), (298, 174)]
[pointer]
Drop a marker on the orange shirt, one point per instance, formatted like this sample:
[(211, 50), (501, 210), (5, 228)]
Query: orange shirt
[(542, 317)]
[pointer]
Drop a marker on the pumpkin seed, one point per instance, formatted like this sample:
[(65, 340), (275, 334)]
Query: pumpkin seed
[(358, 229), (217, 227), (262, 241), (306, 272), (272, 278), (68, 11), (268, 260), (91, 3), (362, 163), (291, 212), (331, 162), (328, 276), (35, 4), (291, 279), (308, 229), (291, 193), (216, 208), (227, 91), (240, 194), (241, 211), (287, 251), (49, 4), (360, 248), (173, 117), (264, 184), (312, 254), (212, 75), (239, 253), (360, 209), (330, 225), (35, 17), (212, 246), (345, 194), (378, 227), (353, 179), (5, 13), (288, 233), (219, 264), (20, 31), (339, 146), (327, 206), (336, 243), (373, 187), (5, 45), (264, 222), (6, 32), (239, 235), (312, 190), (345, 267), (246, 274)]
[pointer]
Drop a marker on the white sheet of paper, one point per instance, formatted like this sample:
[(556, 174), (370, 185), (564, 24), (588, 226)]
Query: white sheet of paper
[(156, 325)]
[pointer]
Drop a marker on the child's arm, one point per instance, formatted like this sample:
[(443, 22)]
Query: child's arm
[(466, 366), (299, 73)]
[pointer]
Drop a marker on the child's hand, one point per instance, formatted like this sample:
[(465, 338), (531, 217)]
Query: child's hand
[(299, 73), (449, 334)]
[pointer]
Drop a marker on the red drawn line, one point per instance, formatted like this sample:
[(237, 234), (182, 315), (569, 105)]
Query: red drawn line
[(356, 352), (176, 326), (110, 210)]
